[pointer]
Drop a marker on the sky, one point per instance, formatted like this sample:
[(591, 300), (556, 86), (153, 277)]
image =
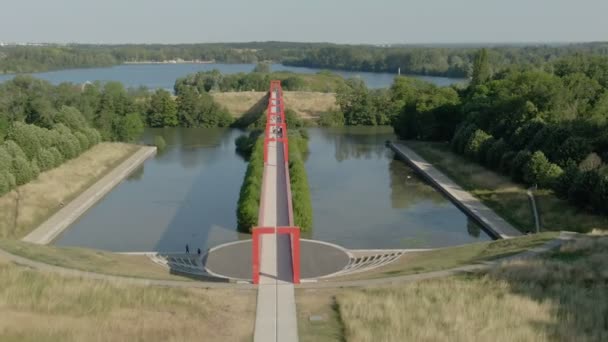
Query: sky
[(336, 21)]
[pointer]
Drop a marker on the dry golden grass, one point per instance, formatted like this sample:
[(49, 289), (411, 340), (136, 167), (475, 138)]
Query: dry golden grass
[(321, 303), (24, 208), (308, 105), (238, 103), (563, 297), (45, 307)]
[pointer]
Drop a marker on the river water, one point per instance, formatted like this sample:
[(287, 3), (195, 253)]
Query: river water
[(362, 197), (164, 75)]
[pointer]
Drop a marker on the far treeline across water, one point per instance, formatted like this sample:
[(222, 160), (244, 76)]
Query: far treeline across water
[(433, 60)]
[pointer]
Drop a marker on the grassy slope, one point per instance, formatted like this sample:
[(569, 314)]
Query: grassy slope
[(561, 297), (24, 208), (137, 266), (451, 257), (505, 197), (48, 307), (307, 105)]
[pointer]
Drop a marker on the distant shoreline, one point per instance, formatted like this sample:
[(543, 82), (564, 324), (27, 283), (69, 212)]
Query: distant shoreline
[(173, 61)]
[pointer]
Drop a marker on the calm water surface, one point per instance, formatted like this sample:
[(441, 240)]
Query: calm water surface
[(164, 75), (362, 197)]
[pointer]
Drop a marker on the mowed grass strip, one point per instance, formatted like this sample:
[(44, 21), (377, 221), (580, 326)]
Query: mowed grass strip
[(37, 306), (24, 208), (136, 266), (562, 296), (506, 198)]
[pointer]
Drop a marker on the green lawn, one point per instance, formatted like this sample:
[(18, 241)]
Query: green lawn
[(506, 198)]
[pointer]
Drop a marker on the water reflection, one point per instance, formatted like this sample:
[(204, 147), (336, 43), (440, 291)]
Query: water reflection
[(365, 198), (362, 197)]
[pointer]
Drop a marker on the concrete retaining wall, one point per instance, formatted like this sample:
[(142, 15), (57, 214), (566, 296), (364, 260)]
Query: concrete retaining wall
[(56, 224), (491, 222)]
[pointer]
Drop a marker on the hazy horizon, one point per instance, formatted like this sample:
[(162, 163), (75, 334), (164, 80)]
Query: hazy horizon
[(391, 22)]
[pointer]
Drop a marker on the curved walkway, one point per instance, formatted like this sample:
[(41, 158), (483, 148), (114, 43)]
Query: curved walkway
[(564, 236)]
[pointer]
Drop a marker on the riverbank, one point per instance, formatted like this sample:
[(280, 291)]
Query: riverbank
[(69, 213), (24, 208), (473, 207)]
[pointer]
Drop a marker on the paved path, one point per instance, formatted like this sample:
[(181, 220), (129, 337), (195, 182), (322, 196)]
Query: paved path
[(56, 224), (467, 202), (276, 308)]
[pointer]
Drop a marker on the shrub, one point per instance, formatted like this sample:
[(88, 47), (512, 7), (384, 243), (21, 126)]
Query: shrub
[(46, 159), (160, 143), (14, 150), (495, 152), (5, 159), (83, 141), (69, 146), (249, 198), (300, 191), (93, 136), (565, 181), (58, 158), (591, 162), (27, 137), (22, 170), (506, 162), (519, 162), (331, 119), (5, 185), (540, 171), (473, 146), (574, 148), (71, 117), (582, 187), (461, 137)]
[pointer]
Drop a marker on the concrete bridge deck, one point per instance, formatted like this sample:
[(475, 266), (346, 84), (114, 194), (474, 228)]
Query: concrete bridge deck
[(276, 308)]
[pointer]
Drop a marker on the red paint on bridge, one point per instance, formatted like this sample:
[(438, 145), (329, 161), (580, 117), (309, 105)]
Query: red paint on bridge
[(276, 131)]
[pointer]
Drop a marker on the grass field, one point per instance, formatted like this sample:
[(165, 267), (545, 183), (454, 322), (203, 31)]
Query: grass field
[(508, 199), (562, 296), (24, 208), (308, 105), (37, 306), (451, 257), (137, 266)]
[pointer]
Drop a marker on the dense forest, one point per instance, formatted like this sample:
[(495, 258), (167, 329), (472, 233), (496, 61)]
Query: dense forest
[(545, 126), (446, 60)]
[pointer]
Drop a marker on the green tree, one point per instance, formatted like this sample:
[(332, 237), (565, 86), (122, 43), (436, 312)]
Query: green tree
[(162, 111), (128, 127), (481, 68)]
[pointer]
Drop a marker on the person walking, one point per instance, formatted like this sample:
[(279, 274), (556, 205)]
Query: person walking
[(187, 249), (198, 251)]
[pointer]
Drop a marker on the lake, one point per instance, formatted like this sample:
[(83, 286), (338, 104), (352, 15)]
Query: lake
[(164, 75), (362, 197)]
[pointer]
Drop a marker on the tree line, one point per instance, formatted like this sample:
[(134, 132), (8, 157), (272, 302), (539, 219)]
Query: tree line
[(545, 126), (447, 60)]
